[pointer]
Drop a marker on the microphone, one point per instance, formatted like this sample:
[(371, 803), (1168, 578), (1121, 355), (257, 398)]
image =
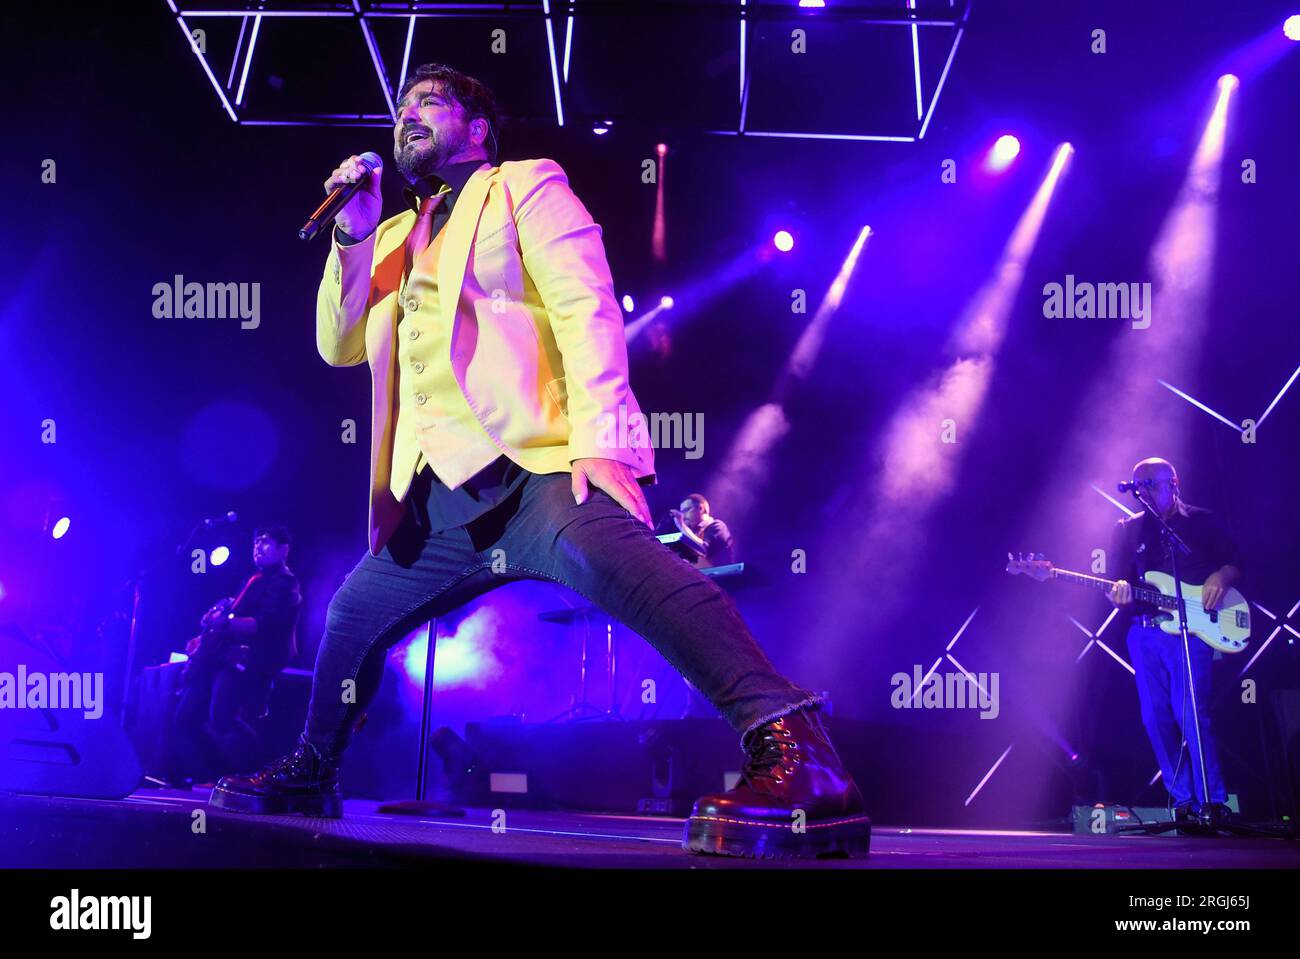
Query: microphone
[(1129, 486), (338, 198), (230, 517)]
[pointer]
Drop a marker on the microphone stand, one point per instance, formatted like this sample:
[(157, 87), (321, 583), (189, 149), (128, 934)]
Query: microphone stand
[(421, 805), (1202, 821), (183, 548), (132, 648), (137, 586)]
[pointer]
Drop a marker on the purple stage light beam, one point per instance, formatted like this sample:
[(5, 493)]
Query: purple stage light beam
[(746, 468), (914, 469), (1159, 341)]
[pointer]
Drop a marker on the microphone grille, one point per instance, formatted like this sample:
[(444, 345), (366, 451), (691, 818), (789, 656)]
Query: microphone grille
[(371, 161)]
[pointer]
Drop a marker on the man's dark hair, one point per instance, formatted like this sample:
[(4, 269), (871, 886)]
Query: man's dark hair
[(699, 500), (276, 531), (473, 96)]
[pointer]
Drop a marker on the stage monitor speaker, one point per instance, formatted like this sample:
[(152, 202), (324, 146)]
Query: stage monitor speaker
[(58, 751)]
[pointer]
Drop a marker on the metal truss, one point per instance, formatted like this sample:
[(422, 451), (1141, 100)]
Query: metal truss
[(364, 14), (231, 91)]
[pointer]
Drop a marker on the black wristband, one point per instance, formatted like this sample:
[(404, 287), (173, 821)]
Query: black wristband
[(345, 239)]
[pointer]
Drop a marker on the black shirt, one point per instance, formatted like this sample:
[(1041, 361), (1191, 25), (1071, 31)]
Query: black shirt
[(273, 600), (1137, 547), (719, 548), (454, 175)]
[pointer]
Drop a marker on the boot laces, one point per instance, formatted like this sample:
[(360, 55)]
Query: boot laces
[(767, 754), (304, 761)]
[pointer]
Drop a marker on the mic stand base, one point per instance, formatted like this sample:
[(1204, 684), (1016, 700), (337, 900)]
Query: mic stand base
[(1208, 820), (420, 807)]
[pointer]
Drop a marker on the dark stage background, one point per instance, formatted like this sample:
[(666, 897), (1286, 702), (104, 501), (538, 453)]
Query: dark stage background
[(161, 422)]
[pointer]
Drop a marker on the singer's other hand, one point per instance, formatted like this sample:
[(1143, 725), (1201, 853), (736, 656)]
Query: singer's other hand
[(614, 478), (1121, 594), (361, 215)]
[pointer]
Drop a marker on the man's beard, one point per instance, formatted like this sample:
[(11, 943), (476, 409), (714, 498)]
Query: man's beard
[(415, 162)]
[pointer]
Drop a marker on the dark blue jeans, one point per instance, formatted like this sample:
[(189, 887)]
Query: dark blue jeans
[(1167, 711), (596, 549), (211, 724)]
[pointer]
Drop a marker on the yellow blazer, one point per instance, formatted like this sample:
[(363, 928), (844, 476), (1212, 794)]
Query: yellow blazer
[(537, 343)]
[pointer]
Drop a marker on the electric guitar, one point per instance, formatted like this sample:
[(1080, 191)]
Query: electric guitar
[(1227, 628), (213, 646)]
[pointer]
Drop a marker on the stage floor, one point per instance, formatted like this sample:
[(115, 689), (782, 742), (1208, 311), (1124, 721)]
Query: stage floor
[(157, 828)]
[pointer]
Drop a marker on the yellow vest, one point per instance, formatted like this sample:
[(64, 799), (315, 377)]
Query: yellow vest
[(435, 425)]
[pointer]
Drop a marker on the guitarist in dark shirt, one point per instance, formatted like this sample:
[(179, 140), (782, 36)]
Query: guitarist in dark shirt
[(1158, 663), (244, 645)]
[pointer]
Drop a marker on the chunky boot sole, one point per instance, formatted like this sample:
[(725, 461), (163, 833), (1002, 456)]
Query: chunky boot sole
[(325, 806), (753, 839)]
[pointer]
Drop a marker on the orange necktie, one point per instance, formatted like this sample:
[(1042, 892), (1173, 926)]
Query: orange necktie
[(422, 232)]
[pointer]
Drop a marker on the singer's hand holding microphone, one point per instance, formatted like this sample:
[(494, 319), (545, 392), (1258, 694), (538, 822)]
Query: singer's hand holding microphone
[(360, 215), (353, 199)]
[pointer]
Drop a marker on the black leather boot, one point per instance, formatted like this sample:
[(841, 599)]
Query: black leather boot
[(302, 782), (795, 799)]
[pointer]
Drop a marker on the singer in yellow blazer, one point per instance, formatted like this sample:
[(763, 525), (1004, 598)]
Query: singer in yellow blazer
[(537, 343), (512, 346)]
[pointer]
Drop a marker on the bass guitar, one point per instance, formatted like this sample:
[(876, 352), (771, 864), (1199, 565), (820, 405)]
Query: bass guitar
[(1226, 628)]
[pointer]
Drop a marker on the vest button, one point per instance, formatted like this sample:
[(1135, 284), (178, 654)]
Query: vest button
[(413, 334), (412, 305), (418, 367), (420, 398)]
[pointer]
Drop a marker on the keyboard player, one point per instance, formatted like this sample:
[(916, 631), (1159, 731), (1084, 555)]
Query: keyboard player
[(705, 541)]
